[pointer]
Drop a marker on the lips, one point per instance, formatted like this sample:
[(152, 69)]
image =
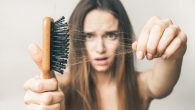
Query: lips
[(101, 61), (103, 58)]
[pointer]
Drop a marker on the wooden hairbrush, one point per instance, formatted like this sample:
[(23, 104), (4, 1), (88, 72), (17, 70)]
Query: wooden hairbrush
[(55, 46)]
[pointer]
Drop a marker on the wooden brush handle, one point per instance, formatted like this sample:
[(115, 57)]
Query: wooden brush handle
[(46, 48)]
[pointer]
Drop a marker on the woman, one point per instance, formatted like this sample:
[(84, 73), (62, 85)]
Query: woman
[(104, 78)]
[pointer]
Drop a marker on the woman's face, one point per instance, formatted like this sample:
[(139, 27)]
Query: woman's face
[(101, 39)]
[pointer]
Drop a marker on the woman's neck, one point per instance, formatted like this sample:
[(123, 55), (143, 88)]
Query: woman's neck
[(106, 91), (103, 79)]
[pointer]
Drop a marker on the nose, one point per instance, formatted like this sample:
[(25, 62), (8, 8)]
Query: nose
[(100, 46)]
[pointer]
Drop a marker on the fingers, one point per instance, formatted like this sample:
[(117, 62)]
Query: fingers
[(41, 85), (134, 46), (154, 38), (36, 54), (144, 36), (43, 107), (155, 35), (169, 34), (159, 38), (46, 98), (175, 48), (43, 94), (172, 48)]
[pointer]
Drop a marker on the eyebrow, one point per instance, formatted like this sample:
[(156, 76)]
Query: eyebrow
[(111, 32), (106, 32), (87, 33)]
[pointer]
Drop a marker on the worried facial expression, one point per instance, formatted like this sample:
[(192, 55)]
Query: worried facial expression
[(101, 39)]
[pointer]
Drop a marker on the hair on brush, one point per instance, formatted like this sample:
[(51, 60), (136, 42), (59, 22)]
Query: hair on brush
[(55, 46)]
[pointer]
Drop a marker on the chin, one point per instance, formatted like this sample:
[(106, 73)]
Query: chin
[(101, 68)]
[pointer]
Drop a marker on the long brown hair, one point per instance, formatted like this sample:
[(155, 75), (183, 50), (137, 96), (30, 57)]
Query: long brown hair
[(81, 91)]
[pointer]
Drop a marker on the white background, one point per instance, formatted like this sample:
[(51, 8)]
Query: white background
[(20, 24)]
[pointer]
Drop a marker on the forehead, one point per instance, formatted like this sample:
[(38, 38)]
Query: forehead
[(100, 20)]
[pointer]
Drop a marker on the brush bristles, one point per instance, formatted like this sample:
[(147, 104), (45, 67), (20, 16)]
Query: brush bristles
[(59, 45)]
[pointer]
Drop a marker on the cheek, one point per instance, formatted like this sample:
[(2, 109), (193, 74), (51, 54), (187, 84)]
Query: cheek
[(88, 49), (89, 46), (112, 46)]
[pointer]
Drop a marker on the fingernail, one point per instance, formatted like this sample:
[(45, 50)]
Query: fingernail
[(140, 55), (149, 56), (164, 56)]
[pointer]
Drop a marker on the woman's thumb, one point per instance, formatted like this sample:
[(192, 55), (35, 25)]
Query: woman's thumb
[(36, 54)]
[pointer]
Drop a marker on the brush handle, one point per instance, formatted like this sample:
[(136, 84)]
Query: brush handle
[(46, 48)]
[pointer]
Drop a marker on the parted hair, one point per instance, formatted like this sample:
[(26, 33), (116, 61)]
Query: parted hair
[(81, 93)]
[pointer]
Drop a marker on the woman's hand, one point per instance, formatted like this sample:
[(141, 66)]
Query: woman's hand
[(160, 38), (42, 94)]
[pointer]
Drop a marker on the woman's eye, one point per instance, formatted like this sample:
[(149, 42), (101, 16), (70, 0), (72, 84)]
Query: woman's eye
[(89, 37), (111, 36)]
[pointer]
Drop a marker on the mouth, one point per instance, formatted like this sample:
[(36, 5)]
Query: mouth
[(101, 61), (103, 58)]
